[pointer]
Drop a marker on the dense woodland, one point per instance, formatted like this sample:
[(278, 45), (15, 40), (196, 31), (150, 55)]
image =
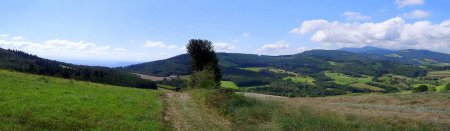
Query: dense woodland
[(24, 62)]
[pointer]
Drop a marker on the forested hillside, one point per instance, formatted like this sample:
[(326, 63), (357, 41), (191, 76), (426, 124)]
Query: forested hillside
[(24, 62)]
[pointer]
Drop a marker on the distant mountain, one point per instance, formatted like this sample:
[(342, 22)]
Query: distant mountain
[(368, 50), (408, 56), (24, 62)]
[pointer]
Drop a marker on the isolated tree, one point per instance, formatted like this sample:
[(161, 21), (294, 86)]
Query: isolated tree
[(204, 57)]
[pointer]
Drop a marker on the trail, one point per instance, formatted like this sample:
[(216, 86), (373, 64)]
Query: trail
[(184, 114)]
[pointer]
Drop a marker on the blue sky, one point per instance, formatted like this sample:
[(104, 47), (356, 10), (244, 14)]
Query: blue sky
[(146, 30)]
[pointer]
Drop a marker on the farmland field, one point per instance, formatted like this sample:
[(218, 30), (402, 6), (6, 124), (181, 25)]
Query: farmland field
[(345, 79), (33, 102), (228, 84)]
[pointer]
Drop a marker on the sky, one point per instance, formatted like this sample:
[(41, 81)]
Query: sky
[(106, 32)]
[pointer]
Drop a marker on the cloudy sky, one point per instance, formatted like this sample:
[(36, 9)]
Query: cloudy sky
[(147, 30)]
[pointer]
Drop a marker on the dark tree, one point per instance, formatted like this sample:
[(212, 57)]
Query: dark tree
[(203, 56)]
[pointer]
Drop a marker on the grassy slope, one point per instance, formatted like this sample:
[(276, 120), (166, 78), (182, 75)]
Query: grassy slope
[(32, 102), (418, 111)]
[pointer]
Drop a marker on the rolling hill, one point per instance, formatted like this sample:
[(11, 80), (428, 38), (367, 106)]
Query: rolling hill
[(24, 62), (36, 102)]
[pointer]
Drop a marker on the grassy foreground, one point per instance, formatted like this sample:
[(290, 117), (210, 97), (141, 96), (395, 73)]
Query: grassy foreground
[(32, 102), (263, 112)]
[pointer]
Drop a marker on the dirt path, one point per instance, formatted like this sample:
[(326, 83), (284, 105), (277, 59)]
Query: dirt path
[(184, 114)]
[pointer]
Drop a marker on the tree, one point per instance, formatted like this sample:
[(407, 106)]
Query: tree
[(447, 87), (421, 88), (204, 57)]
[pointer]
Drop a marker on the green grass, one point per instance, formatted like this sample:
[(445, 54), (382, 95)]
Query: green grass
[(368, 87), (343, 79), (228, 84), (254, 69), (296, 79), (33, 102)]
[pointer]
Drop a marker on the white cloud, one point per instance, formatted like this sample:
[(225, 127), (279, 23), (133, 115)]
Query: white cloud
[(392, 33), (279, 48), (403, 3), (417, 14), (246, 34), (159, 44), (72, 50), (17, 38), (4, 35), (275, 46), (352, 16), (222, 46)]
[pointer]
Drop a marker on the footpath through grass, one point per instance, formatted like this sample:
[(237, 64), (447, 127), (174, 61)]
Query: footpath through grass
[(32, 102)]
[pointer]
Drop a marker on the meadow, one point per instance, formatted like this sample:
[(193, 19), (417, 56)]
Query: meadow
[(33, 102)]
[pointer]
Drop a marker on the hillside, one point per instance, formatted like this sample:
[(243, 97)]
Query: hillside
[(24, 62), (302, 74), (408, 56), (35, 102)]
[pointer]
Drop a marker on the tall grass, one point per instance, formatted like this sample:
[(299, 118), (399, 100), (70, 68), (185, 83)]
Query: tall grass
[(247, 113)]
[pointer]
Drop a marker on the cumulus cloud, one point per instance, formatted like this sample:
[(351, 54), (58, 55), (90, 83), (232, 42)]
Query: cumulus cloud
[(403, 3), (392, 33), (66, 49), (352, 16), (416, 14), (275, 46), (223, 46), (158, 44)]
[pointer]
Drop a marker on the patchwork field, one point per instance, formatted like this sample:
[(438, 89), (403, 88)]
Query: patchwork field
[(33, 102), (228, 84), (343, 79)]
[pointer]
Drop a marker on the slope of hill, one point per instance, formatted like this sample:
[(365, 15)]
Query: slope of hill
[(280, 75), (35, 102), (23, 62), (369, 50), (409, 56)]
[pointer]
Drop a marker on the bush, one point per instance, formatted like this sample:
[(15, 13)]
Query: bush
[(203, 79), (421, 88), (447, 87)]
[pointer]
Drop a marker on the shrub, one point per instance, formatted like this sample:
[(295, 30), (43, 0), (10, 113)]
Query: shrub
[(447, 87), (421, 88), (203, 79)]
